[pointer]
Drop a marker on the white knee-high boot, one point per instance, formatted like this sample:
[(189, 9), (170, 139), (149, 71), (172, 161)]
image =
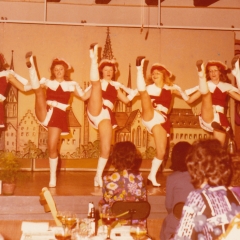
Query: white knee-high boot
[(101, 165), (156, 163), (141, 85), (94, 73), (32, 72), (203, 86), (236, 70), (53, 162)]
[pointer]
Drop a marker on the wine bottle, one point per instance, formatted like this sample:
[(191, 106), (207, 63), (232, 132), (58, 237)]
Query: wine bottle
[(92, 218), (90, 206)]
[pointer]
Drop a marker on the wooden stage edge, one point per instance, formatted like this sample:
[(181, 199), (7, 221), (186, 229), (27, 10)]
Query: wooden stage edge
[(75, 164)]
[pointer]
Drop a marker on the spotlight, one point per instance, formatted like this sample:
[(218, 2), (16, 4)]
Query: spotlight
[(203, 3), (152, 2), (102, 1)]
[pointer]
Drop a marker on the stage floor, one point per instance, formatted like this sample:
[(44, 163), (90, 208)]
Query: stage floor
[(74, 183)]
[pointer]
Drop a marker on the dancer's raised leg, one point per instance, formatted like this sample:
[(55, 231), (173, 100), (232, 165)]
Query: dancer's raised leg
[(207, 107), (95, 100), (147, 108), (40, 97), (236, 69)]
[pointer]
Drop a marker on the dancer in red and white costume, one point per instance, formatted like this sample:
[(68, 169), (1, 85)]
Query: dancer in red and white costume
[(9, 77), (214, 87), (104, 94), (51, 101), (156, 100)]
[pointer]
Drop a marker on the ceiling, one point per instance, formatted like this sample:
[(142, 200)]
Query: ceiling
[(210, 14)]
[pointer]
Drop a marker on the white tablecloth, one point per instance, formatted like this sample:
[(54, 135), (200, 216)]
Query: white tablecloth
[(37, 231), (41, 231), (117, 233)]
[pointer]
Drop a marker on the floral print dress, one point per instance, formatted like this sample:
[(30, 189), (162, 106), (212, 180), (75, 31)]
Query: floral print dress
[(123, 186)]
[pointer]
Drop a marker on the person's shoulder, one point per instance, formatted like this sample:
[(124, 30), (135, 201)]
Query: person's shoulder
[(175, 174)]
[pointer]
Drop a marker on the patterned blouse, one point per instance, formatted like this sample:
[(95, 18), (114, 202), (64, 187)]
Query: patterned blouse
[(207, 213), (123, 186)]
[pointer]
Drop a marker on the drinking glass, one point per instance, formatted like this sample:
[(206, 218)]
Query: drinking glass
[(84, 228), (138, 232), (108, 217), (69, 221)]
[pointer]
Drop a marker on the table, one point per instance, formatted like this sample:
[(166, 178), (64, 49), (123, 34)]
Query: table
[(122, 232)]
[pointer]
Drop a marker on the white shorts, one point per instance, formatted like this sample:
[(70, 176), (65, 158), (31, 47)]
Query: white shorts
[(158, 118), (95, 120), (208, 126)]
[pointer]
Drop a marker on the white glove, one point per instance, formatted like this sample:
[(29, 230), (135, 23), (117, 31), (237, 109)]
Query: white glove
[(132, 94), (183, 93)]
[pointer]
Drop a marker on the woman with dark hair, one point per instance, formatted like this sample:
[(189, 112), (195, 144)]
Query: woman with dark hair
[(126, 182), (214, 88), (105, 91), (208, 209), (51, 102), (178, 186), (9, 77), (156, 101)]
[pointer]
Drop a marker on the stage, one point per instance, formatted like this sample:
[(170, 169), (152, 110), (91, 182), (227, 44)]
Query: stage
[(73, 193)]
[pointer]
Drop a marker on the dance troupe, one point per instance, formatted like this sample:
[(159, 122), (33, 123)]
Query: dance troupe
[(52, 97)]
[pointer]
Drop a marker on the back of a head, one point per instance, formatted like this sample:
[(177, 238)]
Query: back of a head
[(179, 153), (208, 162), (125, 156)]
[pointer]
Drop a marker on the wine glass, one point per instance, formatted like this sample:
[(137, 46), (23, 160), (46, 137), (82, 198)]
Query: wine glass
[(138, 231), (108, 217), (61, 216), (68, 221)]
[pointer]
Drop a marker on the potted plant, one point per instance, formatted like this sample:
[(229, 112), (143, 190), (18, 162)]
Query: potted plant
[(9, 172)]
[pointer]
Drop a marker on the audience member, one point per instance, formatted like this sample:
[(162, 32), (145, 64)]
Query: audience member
[(178, 186), (208, 209), (235, 181), (126, 182)]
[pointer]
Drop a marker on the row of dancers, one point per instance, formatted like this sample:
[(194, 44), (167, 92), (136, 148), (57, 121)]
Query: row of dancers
[(52, 97)]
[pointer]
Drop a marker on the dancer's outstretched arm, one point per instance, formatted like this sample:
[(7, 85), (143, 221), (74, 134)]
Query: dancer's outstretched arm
[(122, 97), (18, 84), (83, 94)]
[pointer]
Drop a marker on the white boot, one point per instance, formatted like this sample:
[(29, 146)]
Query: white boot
[(236, 70), (203, 86), (53, 162), (98, 178), (141, 85), (32, 71), (94, 73), (156, 163)]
